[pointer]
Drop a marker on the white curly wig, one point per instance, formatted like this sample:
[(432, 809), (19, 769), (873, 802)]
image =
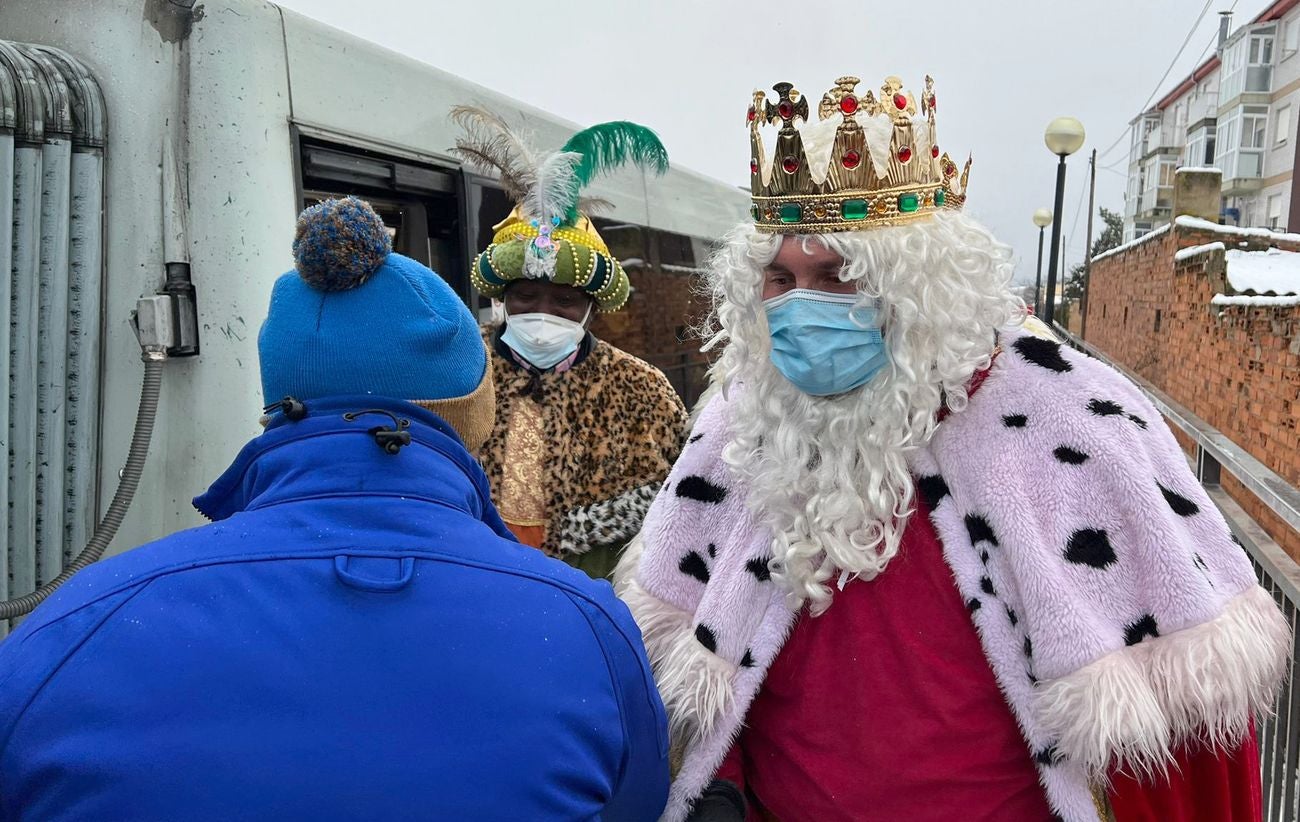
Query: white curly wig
[(830, 475)]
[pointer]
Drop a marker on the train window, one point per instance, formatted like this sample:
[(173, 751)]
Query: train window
[(626, 241), (675, 249), (419, 203), (486, 205)]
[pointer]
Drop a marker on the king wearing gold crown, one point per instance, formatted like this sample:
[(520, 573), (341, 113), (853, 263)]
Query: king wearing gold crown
[(918, 560)]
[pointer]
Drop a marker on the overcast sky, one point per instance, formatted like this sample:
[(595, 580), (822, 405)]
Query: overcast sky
[(687, 68)]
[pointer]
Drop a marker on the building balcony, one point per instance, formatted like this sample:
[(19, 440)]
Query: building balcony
[(1259, 79), (1154, 204), (1131, 206), (1162, 141), (1205, 107), (1242, 172)]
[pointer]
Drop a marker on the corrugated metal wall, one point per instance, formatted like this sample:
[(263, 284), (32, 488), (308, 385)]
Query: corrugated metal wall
[(52, 129)]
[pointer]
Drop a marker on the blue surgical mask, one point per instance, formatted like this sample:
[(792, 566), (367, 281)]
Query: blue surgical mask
[(822, 343)]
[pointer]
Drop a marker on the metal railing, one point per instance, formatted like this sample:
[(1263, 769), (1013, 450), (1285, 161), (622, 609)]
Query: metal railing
[(1278, 573)]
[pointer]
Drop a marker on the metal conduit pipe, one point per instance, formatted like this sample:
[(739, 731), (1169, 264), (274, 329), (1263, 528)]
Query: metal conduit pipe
[(126, 488)]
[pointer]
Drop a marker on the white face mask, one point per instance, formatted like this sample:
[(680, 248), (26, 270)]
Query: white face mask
[(543, 339)]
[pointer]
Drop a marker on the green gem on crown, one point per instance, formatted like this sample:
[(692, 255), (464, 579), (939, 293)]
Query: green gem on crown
[(791, 213), (939, 197), (854, 209), (907, 203)]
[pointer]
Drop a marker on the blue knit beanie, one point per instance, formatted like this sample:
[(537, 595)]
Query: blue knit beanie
[(356, 318)]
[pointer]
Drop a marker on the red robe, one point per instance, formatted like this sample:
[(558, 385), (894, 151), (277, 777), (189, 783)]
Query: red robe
[(885, 708)]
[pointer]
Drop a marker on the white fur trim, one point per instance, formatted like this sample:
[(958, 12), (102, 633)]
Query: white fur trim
[(1104, 713), (1127, 709), (1212, 679), (660, 623), (696, 684), (625, 570)]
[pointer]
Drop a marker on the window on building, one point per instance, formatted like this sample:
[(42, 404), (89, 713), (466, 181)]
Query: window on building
[(1261, 50), (1233, 74), (1200, 146), (1254, 125), (1239, 147), (1227, 136), (1291, 38), (1168, 167), (1157, 328), (1158, 181), (1282, 126), (1275, 211)]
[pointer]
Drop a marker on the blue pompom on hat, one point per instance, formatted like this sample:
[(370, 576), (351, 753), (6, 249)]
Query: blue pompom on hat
[(357, 318)]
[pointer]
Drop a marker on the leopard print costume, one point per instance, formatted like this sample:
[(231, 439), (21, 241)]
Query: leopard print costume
[(613, 427)]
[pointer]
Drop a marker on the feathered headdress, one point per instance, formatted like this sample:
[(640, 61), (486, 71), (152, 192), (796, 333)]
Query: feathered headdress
[(548, 236)]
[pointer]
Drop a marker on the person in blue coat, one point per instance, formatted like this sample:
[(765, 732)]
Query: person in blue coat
[(356, 635)]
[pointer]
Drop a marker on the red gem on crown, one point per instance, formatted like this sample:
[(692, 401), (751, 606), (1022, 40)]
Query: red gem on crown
[(786, 110), (900, 101), (790, 164), (848, 104), (753, 166), (934, 152), (904, 154), (851, 159), (749, 117)]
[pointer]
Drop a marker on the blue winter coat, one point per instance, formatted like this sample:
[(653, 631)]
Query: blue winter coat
[(355, 637)]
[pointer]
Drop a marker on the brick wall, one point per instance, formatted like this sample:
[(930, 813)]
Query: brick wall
[(1236, 367), (656, 325)]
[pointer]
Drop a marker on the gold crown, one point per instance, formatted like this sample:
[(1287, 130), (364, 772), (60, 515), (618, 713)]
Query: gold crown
[(884, 166)]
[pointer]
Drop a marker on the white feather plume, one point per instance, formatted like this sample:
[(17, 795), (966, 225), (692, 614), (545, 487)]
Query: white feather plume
[(552, 194)]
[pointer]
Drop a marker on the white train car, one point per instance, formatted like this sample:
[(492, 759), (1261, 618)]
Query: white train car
[(165, 147)]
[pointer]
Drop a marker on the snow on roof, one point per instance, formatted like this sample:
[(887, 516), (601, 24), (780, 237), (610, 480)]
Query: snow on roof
[(1205, 225), (1273, 271), (1256, 302), (1184, 253), (1150, 235), (1198, 169)]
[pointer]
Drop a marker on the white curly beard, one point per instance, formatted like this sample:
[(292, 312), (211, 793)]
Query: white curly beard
[(830, 475)]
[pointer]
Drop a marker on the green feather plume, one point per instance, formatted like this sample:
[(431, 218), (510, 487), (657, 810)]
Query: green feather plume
[(608, 146)]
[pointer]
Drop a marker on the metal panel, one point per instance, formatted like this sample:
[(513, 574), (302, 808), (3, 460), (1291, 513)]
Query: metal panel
[(24, 279), (51, 250), (52, 316), (85, 298), (8, 121)]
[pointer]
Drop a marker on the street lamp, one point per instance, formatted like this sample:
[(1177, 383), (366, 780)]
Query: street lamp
[(1063, 137), (1042, 219)]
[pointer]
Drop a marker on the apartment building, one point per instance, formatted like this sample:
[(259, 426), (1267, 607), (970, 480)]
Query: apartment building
[(1238, 111)]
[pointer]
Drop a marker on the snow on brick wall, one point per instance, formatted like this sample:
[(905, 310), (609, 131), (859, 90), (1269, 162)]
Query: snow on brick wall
[(1270, 271)]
